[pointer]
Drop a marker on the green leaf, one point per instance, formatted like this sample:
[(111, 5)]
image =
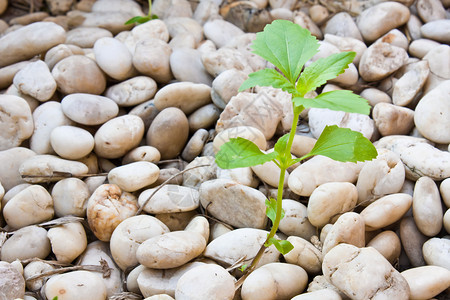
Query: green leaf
[(343, 144), (286, 45), (281, 145), (283, 246), (134, 20), (341, 100), (271, 209), (55, 298), (143, 20), (239, 153), (322, 70), (267, 77), (243, 267)]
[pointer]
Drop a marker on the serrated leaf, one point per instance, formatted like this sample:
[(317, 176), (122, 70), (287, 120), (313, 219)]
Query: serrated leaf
[(239, 153), (267, 77), (271, 209), (322, 70), (343, 144), (341, 100), (283, 246), (286, 45)]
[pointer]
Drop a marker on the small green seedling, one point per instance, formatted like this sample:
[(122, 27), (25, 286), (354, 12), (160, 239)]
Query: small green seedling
[(55, 298), (289, 46), (140, 20)]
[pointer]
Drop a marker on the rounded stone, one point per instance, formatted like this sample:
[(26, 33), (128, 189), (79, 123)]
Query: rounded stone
[(412, 241), (27, 242), (114, 58), (17, 121), (305, 255), (152, 58), (130, 234), (68, 241), (444, 188), (36, 80), (330, 200), (107, 207), (169, 132), (392, 119), (170, 198), (142, 153), (379, 19), (10, 161), (132, 91), (89, 109), (170, 250), (118, 136), (388, 244), (432, 114), (195, 145), (33, 205), (420, 47), (226, 85), (154, 28), (134, 176), (203, 118), (70, 197), (79, 74), (274, 280), (427, 207), (12, 282), (221, 31), (247, 132), (295, 221), (85, 37), (71, 142), (435, 252), (59, 52), (342, 24), (75, 285), (427, 281), (186, 65), (437, 30)]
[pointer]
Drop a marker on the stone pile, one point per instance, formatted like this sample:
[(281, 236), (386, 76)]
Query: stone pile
[(95, 115)]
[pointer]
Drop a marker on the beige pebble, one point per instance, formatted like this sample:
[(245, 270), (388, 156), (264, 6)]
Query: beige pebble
[(132, 91), (32, 269), (204, 117), (342, 24), (186, 65), (435, 252), (170, 250), (131, 233), (134, 176), (195, 145), (427, 207), (324, 294), (251, 133), (195, 175), (152, 58), (68, 241), (407, 87), (420, 47), (427, 281), (107, 207), (226, 85), (10, 161), (36, 80), (348, 229), (392, 119), (27, 242), (412, 241), (71, 142), (142, 153), (113, 57), (85, 37), (446, 220), (386, 211), (430, 10), (388, 244), (444, 188), (57, 53), (70, 197), (13, 285), (168, 199), (304, 254), (76, 284), (154, 28), (295, 220), (330, 200)]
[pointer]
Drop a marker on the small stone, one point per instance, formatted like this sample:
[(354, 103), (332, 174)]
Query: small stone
[(68, 241), (154, 29), (226, 85), (348, 229), (309, 175), (59, 52), (36, 80), (12, 283), (30, 40), (142, 153), (71, 142), (413, 26), (118, 136), (379, 177), (435, 252), (342, 24), (363, 273), (10, 161), (132, 91), (32, 269), (295, 220), (107, 207), (169, 132), (79, 74), (323, 294), (427, 281), (274, 280), (70, 197), (396, 38), (243, 242), (410, 83), (379, 19), (419, 157), (412, 241), (207, 281), (386, 211), (113, 21), (17, 121), (195, 145), (305, 255), (438, 59), (134, 176), (244, 176), (420, 47), (444, 188), (169, 199), (85, 37), (221, 31), (113, 57), (427, 207), (437, 30), (204, 117), (151, 58), (432, 114), (430, 10), (89, 109), (218, 61), (380, 60), (347, 44), (393, 119), (170, 250), (375, 96), (197, 175), (131, 233), (318, 13), (186, 65), (304, 21), (172, 8), (233, 203), (83, 284), (27, 242), (388, 244), (446, 220), (180, 26)]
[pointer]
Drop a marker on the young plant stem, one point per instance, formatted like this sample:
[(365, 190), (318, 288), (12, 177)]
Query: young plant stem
[(283, 166)]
